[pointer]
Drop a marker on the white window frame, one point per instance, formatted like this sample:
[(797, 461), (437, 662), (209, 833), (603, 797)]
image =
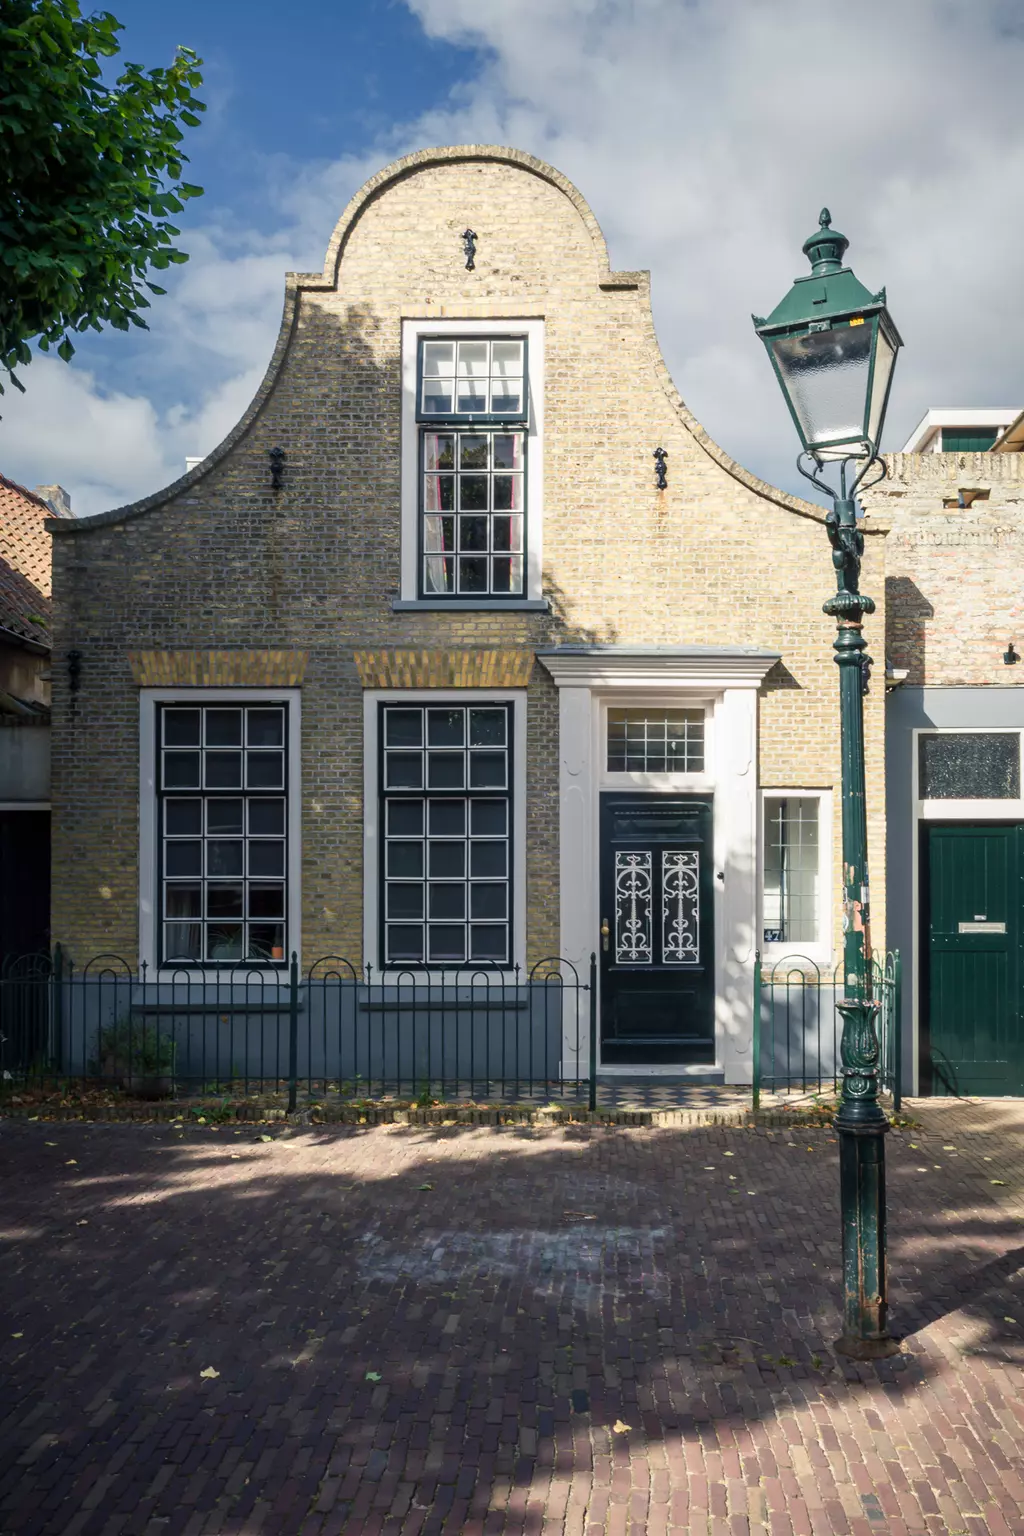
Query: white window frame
[(373, 698), (820, 952), (149, 895), (964, 810), (413, 331)]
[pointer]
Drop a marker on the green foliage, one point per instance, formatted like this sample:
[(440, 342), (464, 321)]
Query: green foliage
[(138, 1049), (89, 175)]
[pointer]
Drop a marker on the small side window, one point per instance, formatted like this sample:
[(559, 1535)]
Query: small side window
[(792, 870)]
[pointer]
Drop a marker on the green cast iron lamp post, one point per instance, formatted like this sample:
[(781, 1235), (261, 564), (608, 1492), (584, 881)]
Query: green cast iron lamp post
[(833, 347)]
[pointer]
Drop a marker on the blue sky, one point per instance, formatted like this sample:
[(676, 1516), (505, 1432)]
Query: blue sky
[(307, 81), (706, 135)]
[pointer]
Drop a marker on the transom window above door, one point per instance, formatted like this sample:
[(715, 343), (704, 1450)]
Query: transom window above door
[(655, 740)]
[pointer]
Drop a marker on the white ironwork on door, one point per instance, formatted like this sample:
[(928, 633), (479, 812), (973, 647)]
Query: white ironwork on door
[(633, 908), (680, 940)]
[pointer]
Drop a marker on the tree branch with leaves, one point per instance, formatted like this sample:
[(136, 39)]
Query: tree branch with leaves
[(90, 174)]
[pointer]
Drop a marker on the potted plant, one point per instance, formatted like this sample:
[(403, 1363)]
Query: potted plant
[(138, 1055)]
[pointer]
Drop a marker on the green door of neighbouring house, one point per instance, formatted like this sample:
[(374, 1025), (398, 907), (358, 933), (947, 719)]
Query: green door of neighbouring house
[(972, 1034), (657, 931)]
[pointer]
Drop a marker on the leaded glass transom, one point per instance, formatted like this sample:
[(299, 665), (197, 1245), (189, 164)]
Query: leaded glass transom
[(447, 850), (655, 740)]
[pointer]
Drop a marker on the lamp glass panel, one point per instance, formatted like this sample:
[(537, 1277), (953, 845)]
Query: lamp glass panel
[(825, 376), (885, 359)]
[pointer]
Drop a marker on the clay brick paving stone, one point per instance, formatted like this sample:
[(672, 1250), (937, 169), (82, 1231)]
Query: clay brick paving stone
[(574, 1330)]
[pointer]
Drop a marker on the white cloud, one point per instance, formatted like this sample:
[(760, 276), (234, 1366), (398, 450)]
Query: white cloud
[(706, 134)]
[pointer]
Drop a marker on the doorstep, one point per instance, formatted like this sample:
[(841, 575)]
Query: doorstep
[(664, 1076)]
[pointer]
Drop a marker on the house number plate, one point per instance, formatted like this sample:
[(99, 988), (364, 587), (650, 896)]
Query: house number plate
[(979, 927)]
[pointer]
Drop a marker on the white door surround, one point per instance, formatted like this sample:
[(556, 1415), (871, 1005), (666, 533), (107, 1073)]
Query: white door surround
[(724, 681)]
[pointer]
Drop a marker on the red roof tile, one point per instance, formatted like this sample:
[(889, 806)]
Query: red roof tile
[(24, 563)]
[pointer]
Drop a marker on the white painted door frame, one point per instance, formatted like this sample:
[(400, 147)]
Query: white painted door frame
[(725, 682)]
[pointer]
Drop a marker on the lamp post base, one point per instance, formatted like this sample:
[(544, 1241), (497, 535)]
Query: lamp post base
[(867, 1349)]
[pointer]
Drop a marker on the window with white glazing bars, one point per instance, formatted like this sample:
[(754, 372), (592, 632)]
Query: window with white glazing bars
[(471, 405), (446, 848), (222, 796), (791, 870)]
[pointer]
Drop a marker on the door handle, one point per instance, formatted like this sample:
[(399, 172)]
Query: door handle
[(604, 933)]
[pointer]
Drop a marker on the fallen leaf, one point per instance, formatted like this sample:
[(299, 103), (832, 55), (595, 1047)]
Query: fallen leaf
[(81, 1223), (618, 1428), (986, 1159), (235, 1156), (49, 1143), (1005, 1320), (949, 1149), (915, 1146), (21, 1335), (998, 1181), (751, 1191), (922, 1170), (372, 1376), (424, 1186), (266, 1138), (72, 1162), (709, 1167), (728, 1154), (31, 1118), (209, 1374)]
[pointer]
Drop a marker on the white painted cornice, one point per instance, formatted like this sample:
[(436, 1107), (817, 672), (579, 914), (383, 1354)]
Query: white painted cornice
[(657, 667)]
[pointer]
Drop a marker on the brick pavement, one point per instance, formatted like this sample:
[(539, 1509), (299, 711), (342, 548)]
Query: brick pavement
[(580, 1330)]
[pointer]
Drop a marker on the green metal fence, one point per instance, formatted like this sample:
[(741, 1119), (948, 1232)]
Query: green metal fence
[(331, 1032), (797, 1026)]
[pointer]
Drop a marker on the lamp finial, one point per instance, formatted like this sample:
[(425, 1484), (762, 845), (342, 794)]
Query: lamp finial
[(826, 247)]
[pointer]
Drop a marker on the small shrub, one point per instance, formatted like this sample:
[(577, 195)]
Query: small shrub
[(130, 1048)]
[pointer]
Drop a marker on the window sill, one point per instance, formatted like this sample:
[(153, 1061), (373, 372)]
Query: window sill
[(464, 604)]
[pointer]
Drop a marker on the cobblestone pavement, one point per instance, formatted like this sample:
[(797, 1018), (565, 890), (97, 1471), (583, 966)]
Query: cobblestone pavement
[(600, 1331)]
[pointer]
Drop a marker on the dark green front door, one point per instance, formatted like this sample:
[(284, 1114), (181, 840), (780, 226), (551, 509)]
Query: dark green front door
[(657, 938), (972, 1037)]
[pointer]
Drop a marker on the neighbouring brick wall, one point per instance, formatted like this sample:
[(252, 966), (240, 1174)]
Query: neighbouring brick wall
[(954, 595), (220, 562)]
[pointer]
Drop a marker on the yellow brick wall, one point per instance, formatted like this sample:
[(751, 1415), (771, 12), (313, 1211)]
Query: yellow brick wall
[(222, 562)]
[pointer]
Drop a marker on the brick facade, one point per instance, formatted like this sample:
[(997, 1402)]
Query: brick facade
[(221, 563), (953, 561)]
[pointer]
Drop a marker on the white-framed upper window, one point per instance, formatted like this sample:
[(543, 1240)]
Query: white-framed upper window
[(968, 771), (472, 379), (445, 824), (795, 873), (472, 433), (219, 829)]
